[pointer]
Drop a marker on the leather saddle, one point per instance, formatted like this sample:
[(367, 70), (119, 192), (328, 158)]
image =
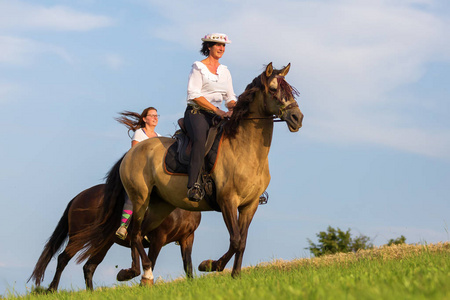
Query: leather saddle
[(177, 158), (178, 155)]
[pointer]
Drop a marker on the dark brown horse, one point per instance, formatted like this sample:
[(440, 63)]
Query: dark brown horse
[(241, 173), (81, 214)]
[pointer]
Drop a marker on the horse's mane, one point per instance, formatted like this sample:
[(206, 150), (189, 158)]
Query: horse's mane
[(260, 83), (241, 109)]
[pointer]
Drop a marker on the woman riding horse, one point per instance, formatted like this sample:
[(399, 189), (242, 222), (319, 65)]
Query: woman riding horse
[(209, 84), (143, 127), (241, 172)]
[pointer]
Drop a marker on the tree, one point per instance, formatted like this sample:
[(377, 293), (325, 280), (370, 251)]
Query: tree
[(361, 242), (397, 241), (335, 241)]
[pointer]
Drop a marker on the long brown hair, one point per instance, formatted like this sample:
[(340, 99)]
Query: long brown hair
[(132, 120)]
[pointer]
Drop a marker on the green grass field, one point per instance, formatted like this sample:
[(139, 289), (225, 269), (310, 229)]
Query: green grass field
[(395, 272)]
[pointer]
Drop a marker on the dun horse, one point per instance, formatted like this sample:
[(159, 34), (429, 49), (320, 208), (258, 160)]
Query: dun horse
[(81, 214), (241, 173)]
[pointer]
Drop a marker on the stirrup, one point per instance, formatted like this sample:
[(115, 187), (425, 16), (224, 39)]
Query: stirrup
[(264, 198), (196, 193), (122, 232)]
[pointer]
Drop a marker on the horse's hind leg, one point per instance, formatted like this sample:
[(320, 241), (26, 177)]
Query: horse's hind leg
[(140, 199), (158, 210), (186, 254), (138, 251), (63, 260), (91, 265), (157, 241)]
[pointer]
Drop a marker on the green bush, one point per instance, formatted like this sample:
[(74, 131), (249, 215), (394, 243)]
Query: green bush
[(336, 240), (398, 241)]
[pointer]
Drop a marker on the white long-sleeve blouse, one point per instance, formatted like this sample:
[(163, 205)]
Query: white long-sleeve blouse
[(215, 88)]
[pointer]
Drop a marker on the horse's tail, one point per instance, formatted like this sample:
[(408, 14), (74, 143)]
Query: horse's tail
[(52, 246), (93, 238)]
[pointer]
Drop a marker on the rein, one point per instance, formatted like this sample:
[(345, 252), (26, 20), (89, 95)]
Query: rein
[(264, 118), (282, 110)]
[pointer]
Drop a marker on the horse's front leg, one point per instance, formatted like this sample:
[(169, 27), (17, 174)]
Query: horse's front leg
[(229, 213), (245, 218), (210, 265), (186, 253)]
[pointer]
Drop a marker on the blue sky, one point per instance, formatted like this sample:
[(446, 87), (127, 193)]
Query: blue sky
[(373, 154)]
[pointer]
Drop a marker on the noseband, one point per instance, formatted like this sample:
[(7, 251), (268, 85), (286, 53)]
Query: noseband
[(281, 111)]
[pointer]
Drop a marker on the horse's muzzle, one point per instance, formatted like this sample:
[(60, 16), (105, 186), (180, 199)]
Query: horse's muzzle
[(293, 118)]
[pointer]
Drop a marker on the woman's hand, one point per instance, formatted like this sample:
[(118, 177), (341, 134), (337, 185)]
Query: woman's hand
[(220, 113), (228, 114), (230, 107)]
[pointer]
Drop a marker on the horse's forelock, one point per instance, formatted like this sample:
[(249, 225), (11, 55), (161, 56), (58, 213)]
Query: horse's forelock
[(287, 90)]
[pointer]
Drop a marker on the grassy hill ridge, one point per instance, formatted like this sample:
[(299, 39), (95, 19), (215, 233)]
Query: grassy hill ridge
[(387, 272), (383, 252)]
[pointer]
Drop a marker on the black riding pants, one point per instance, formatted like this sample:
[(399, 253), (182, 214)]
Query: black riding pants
[(197, 123)]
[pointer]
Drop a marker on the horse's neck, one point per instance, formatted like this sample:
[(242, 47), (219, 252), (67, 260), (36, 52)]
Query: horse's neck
[(255, 135), (255, 140)]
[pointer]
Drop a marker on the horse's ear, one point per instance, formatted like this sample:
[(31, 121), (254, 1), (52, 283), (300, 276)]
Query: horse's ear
[(285, 70), (269, 69)]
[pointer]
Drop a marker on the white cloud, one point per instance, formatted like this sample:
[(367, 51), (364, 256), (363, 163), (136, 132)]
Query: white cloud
[(20, 17), (113, 61), (16, 15), (348, 56), (21, 51)]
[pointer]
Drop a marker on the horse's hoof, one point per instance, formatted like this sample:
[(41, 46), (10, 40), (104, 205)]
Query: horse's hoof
[(206, 266), (236, 274), (146, 281), (126, 274)]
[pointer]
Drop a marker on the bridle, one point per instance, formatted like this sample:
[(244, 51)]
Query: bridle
[(282, 109)]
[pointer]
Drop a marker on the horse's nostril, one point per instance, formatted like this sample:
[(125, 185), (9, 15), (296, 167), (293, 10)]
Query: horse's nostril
[(295, 117)]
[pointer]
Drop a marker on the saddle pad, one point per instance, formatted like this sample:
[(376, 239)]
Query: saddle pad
[(173, 166)]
